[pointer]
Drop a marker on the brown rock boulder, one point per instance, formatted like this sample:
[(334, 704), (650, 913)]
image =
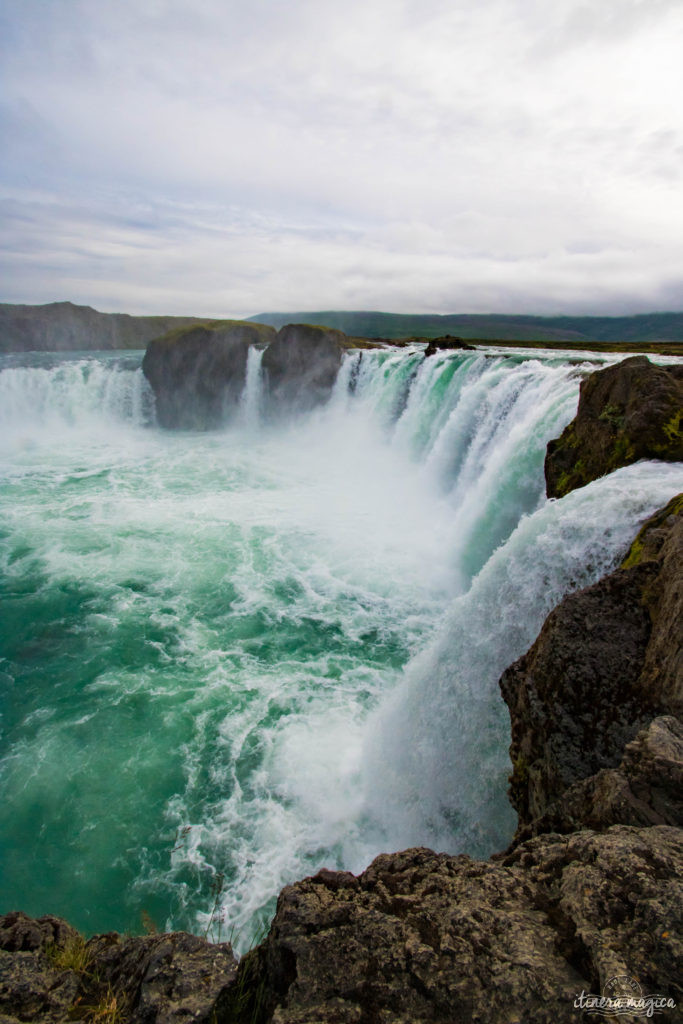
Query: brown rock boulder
[(198, 373), (448, 342), (301, 365), (627, 412)]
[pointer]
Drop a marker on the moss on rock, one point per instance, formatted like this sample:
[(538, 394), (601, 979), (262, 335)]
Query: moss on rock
[(626, 412)]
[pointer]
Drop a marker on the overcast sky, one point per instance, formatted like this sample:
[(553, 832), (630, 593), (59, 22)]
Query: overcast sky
[(225, 157)]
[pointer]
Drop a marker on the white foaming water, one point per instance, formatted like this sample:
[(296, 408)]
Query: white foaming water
[(285, 642), (251, 405), (74, 393), (436, 750)]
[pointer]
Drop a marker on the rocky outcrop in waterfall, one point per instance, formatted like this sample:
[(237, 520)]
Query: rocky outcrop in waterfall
[(301, 365), (447, 343), (627, 412), (198, 374)]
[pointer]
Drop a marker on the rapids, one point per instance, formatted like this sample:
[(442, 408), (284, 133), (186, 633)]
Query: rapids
[(228, 659)]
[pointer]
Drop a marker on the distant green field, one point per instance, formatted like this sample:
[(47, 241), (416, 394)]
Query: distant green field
[(621, 330)]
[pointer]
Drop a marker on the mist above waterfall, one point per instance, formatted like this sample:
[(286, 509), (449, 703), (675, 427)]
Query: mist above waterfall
[(271, 647)]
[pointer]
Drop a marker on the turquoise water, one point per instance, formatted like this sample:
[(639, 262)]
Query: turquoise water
[(229, 659)]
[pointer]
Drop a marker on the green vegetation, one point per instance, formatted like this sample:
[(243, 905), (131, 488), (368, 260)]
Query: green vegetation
[(246, 1001), (652, 332), (72, 956), (612, 415), (111, 1008), (672, 428), (640, 550), (577, 476), (97, 1003), (262, 332), (518, 782)]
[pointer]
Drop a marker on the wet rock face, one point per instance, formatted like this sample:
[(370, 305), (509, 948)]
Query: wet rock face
[(627, 412), (48, 974), (198, 374), (595, 703), (424, 937), (301, 365)]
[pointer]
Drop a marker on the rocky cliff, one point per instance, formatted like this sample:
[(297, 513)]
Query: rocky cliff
[(198, 373), (62, 326), (596, 703)]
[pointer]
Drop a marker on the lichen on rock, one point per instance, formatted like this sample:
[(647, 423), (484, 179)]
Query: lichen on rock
[(626, 412)]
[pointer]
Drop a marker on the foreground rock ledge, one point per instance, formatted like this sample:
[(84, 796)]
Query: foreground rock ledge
[(418, 937), (49, 974)]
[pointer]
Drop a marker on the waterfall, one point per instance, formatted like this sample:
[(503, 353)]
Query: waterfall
[(251, 404), (276, 646), (435, 750), (74, 393)]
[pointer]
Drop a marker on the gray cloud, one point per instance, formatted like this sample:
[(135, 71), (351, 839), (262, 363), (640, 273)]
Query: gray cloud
[(224, 158)]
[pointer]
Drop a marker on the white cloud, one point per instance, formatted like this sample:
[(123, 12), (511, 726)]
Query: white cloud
[(229, 158)]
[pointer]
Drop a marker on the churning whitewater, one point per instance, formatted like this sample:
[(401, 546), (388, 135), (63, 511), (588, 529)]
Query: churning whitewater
[(229, 659)]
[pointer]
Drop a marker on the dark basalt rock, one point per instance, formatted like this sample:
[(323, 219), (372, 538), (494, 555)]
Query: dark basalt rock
[(645, 789), (301, 366), (627, 412), (448, 341), (425, 937), (198, 374), (49, 975), (582, 700)]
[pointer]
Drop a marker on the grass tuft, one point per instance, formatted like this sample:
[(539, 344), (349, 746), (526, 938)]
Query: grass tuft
[(72, 956)]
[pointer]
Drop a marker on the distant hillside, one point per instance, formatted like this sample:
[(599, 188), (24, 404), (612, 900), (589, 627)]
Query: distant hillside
[(62, 326), (656, 327)]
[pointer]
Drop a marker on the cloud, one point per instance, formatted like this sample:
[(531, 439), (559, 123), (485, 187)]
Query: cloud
[(228, 158)]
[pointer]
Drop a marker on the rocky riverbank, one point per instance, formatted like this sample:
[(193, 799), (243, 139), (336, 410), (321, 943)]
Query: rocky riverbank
[(586, 903)]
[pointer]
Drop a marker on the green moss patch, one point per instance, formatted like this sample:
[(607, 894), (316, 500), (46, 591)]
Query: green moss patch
[(637, 553)]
